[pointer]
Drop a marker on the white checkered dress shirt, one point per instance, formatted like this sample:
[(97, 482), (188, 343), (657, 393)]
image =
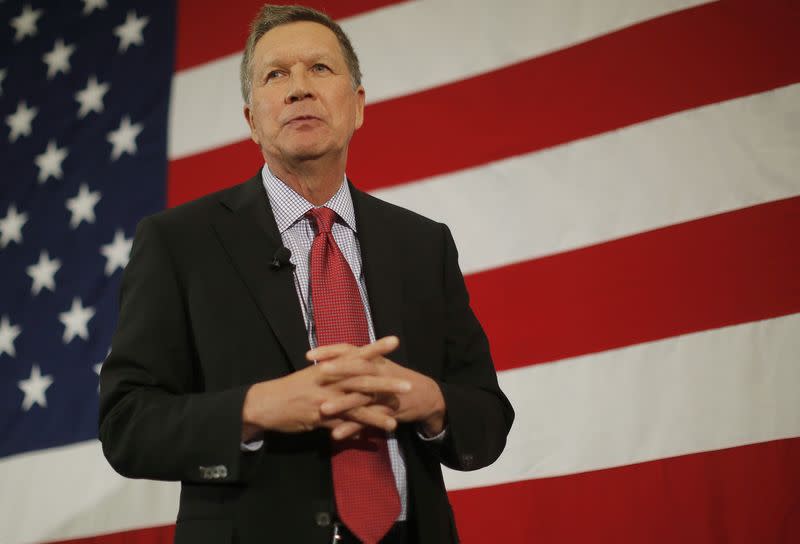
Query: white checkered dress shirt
[(297, 234)]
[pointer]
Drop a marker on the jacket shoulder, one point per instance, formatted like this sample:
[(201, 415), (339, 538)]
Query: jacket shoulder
[(402, 217)]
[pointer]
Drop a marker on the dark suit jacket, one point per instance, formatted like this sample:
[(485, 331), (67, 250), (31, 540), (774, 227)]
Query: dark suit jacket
[(203, 316)]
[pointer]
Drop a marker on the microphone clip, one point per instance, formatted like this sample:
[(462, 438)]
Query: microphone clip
[(280, 258)]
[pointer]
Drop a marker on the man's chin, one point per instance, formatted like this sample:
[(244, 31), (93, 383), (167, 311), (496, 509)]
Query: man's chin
[(305, 156), (304, 153)]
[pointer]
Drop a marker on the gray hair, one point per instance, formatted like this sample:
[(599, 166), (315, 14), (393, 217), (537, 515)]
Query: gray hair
[(271, 16)]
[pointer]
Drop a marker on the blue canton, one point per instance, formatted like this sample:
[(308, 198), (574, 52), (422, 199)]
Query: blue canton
[(84, 93)]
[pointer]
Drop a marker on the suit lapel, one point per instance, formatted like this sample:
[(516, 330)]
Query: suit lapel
[(246, 228), (379, 258)]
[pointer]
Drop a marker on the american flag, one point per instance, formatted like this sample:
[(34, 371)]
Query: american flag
[(623, 182)]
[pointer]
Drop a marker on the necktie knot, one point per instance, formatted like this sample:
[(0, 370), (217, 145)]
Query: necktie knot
[(324, 217)]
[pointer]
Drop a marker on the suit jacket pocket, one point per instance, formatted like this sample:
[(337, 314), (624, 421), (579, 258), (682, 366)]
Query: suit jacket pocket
[(204, 531)]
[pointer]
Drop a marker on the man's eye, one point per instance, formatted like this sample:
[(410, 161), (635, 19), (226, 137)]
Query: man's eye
[(273, 74), (320, 68)]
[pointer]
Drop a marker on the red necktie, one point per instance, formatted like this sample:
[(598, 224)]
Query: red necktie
[(363, 482)]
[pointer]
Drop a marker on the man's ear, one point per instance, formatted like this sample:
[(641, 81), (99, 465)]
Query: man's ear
[(248, 116), (360, 101)]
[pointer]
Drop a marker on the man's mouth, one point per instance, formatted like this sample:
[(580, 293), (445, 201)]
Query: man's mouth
[(302, 118)]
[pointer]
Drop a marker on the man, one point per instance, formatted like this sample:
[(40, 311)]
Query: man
[(210, 380)]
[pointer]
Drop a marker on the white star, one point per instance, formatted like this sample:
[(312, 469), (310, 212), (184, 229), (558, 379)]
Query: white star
[(34, 388), (43, 273), (130, 32), (117, 252), (57, 60), (25, 22), (2, 77), (90, 5), (124, 138), (8, 333), (11, 226), (76, 321), (82, 206), (91, 98), (20, 121), (49, 162)]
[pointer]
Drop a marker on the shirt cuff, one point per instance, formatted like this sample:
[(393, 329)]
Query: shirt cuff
[(438, 439), (253, 445)]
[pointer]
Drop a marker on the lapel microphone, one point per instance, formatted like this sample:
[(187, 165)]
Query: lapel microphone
[(281, 258)]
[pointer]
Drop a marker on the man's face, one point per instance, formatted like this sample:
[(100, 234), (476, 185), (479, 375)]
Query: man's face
[(303, 105)]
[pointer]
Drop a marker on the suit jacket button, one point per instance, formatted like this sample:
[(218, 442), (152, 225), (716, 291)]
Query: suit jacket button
[(323, 519), (213, 473)]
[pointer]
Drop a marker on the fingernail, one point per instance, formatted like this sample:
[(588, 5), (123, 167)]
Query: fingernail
[(326, 406), (405, 386)]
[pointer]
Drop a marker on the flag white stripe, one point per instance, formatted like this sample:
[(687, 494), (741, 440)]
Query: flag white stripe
[(575, 415), (601, 410), (685, 166), (72, 492), (411, 47)]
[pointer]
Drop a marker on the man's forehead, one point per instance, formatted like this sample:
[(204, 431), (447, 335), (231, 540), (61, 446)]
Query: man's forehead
[(302, 38)]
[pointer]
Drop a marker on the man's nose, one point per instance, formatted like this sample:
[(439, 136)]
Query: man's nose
[(299, 86)]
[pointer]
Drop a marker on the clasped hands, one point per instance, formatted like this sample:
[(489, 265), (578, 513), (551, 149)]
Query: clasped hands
[(350, 388)]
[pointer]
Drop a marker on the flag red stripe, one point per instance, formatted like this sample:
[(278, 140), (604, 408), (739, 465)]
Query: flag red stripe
[(150, 535), (740, 495), (206, 31), (721, 270), (672, 63), (192, 177), (680, 61)]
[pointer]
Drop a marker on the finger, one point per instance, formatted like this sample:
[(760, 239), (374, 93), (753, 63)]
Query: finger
[(373, 416), (330, 352), (382, 346), (374, 384), (350, 367), (388, 403), (344, 403), (331, 422), (342, 368), (357, 362), (346, 429)]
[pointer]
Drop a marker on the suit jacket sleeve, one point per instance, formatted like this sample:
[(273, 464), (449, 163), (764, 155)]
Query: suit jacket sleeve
[(479, 416), (153, 423)]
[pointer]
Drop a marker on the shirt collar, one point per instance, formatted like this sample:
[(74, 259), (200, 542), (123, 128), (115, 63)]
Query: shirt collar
[(288, 206)]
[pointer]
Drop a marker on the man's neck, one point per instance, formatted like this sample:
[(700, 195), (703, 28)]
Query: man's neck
[(315, 181)]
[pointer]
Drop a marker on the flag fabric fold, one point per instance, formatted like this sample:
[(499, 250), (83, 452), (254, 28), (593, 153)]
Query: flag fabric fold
[(636, 269)]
